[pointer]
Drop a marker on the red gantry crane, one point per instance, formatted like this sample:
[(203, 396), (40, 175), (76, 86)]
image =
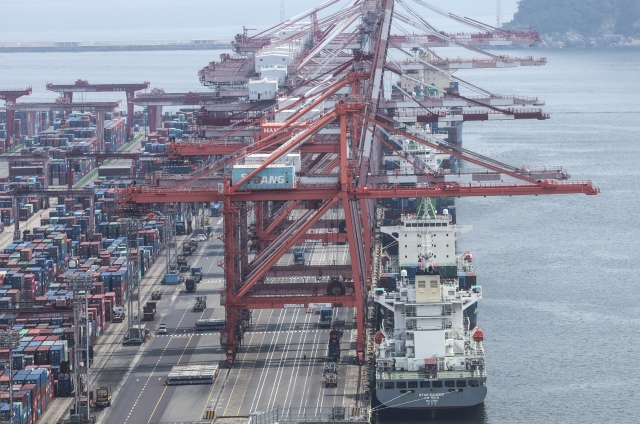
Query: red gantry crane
[(83, 86), (342, 113), (10, 96)]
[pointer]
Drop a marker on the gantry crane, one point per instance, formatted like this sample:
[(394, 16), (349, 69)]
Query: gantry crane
[(244, 287), (343, 116), (339, 114), (83, 86), (157, 98), (10, 96)]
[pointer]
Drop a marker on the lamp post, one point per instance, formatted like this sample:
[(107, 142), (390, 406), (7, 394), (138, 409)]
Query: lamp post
[(81, 285)]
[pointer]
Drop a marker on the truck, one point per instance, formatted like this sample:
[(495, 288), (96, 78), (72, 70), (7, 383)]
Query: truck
[(298, 258), (333, 353), (190, 284), (118, 314), (182, 263), (103, 397), (149, 311), (196, 272), (330, 368), (215, 210), (200, 304), (181, 228), (331, 380), (188, 247), (325, 317), (86, 401)]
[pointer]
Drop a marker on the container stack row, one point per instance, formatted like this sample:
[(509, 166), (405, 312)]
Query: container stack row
[(53, 143), (26, 208), (34, 279), (29, 266), (33, 391)]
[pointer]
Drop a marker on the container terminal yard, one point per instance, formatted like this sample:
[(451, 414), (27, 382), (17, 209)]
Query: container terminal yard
[(223, 259)]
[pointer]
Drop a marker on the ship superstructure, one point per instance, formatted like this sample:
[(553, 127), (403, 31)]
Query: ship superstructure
[(429, 351)]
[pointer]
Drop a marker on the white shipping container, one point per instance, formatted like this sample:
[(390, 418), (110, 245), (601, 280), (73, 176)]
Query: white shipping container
[(289, 158)]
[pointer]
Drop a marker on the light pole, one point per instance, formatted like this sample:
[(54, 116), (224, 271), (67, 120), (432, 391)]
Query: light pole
[(133, 270), (81, 285)]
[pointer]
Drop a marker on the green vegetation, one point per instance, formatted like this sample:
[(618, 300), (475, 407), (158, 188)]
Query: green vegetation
[(586, 17)]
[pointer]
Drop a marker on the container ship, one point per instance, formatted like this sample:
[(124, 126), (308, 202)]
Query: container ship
[(429, 349)]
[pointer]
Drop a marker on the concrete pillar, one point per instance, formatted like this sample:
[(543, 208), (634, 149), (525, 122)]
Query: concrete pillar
[(16, 219), (158, 118), (45, 169), (69, 97), (31, 124), (130, 115), (152, 114), (100, 129), (11, 115), (92, 218)]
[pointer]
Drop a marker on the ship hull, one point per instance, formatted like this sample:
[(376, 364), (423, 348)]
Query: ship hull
[(442, 398)]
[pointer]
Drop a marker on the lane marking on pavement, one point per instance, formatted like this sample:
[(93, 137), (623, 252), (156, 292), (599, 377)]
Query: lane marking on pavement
[(244, 357), (154, 369), (178, 363)]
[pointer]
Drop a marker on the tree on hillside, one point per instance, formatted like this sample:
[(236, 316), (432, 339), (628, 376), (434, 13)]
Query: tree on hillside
[(587, 17)]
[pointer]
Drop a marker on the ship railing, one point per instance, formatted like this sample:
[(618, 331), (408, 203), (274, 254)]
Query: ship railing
[(504, 96), (478, 373)]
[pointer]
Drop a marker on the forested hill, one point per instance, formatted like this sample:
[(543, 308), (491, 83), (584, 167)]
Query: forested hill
[(593, 21)]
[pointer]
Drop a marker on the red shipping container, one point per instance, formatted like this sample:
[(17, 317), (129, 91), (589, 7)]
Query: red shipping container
[(98, 288), (34, 399), (26, 254), (20, 397), (42, 355), (30, 350)]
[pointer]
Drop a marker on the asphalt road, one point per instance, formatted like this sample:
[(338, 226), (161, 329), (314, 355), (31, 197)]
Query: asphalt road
[(143, 398), (271, 369)]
